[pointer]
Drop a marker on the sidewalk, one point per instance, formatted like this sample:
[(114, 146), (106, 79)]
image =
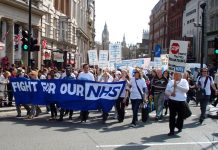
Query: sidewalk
[(7, 109)]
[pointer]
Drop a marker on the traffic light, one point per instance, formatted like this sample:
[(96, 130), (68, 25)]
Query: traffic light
[(34, 45), (25, 43), (216, 46)]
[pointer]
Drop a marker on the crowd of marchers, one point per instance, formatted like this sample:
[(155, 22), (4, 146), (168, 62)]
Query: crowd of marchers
[(164, 89)]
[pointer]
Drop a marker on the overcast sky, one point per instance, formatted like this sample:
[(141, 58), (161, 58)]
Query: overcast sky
[(123, 16)]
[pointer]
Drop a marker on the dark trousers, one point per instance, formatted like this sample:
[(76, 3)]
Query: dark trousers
[(203, 105), (135, 107), (62, 113), (84, 114), (53, 110), (10, 94), (120, 108), (176, 108)]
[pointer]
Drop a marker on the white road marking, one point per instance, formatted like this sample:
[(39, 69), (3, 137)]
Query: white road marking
[(158, 144)]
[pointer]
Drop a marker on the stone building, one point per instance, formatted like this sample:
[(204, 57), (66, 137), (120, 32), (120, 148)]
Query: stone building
[(211, 29), (59, 32), (64, 29), (85, 29), (13, 19), (191, 30)]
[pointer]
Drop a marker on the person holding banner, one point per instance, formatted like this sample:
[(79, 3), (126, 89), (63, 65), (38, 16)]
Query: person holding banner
[(106, 77), (85, 75), (138, 93), (35, 109), (68, 76), (176, 90), (123, 99)]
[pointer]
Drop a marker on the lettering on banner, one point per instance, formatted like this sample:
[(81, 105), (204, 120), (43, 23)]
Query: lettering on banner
[(25, 86), (48, 87), (72, 89), (105, 91)]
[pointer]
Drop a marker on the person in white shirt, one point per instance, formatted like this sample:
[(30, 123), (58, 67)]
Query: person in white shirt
[(138, 93), (85, 75), (205, 82), (176, 90)]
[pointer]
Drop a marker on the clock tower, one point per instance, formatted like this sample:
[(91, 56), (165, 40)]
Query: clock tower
[(105, 38)]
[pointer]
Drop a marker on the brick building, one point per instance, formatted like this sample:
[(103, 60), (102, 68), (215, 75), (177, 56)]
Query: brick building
[(158, 26), (175, 20)]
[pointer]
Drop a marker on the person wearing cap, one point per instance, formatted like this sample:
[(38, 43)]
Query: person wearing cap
[(176, 90), (35, 109)]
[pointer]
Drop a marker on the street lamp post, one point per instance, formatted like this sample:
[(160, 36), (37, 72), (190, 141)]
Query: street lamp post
[(29, 36), (203, 5)]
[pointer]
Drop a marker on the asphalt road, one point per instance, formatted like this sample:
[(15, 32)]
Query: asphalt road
[(41, 134)]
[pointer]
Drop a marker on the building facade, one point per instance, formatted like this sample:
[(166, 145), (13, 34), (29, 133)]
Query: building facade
[(85, 30), (211, 29), (158, 26), (64, 29), (13, 19), (175, 20), (143, 51), (59, 33), (191, 30)]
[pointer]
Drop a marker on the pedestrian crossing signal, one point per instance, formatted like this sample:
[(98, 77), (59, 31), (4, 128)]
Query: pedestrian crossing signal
[(25, 41), (216, 46)]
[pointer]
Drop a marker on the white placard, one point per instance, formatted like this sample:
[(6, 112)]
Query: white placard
[(103, 59), (164, 59), (177, 56), (93, 57), (115, 51)]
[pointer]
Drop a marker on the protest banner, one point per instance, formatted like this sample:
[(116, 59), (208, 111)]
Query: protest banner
[(68, 94), (177, 56)]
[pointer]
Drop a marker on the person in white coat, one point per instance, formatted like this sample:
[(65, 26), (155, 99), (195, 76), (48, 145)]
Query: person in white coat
[(3, 84)]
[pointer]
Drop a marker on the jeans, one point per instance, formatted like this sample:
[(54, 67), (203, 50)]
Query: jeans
[(203, 105), (160, 105), (135, 108)]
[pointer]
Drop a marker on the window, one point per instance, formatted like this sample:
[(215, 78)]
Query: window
[(55, 28), (63, 30), (47, 25)]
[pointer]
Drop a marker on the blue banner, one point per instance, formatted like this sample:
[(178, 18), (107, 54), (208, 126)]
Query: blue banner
[(68, 94)]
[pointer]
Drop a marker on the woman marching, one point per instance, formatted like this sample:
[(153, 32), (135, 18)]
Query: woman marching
[(138, 93), (123, 99), (176, 90)]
